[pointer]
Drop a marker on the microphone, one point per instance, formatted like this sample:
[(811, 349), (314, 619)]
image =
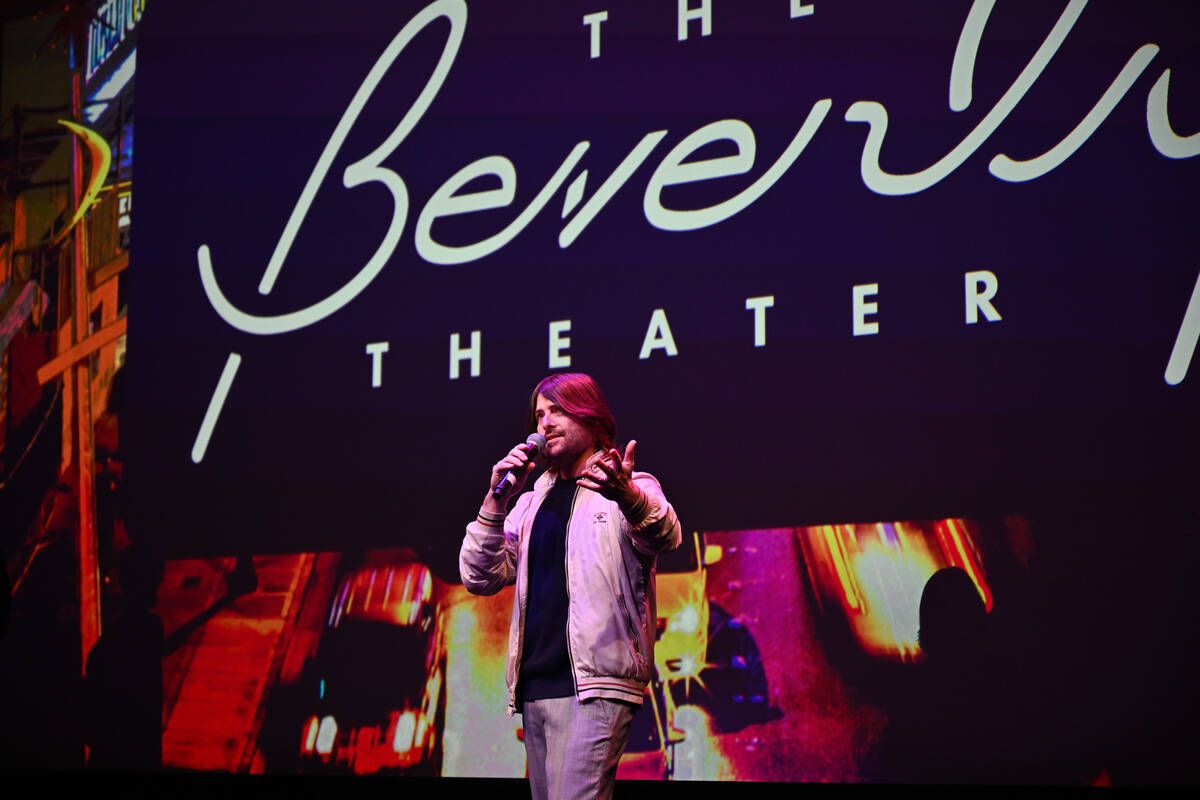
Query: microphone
[(533, 446)]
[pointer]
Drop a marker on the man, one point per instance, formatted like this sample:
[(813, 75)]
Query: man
[(581, 549)]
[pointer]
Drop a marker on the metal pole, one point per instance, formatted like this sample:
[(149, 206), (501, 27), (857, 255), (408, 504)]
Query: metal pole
[(89, 567)]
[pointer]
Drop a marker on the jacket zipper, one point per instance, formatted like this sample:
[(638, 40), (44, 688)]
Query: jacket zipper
[(633, 634), (567, 571), (512, 694), (522, 599)]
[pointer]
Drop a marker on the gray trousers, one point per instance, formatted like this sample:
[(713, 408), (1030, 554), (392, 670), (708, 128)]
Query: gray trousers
[(572, 748)]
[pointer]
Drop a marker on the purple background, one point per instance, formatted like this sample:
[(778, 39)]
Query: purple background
[(1061, 400)]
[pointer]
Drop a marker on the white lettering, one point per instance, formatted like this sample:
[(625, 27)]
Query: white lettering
[(445, 202), (1008, 169), (658, 336), (365, 170), (860, 309), (673, 171), (459, 354), (593, 21), (979, 288), (606, 191), (559, 343), (376, 350), (1185, 341), (1158, 124), (802, 9), (703, 12), (876, 116), (759, 306), (574, 193), (962, 69), (215, 404)]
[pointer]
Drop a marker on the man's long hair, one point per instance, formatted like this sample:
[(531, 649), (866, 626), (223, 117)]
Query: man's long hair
[(578, 395)]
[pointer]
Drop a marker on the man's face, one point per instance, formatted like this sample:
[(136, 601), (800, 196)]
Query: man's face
[(568, 441)]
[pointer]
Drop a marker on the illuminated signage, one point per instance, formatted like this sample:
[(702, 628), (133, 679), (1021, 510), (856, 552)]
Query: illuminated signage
[(934, 276), (678, 166), (114, 21)]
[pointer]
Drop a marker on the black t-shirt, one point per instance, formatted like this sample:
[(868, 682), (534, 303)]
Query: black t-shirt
[(545, 662)]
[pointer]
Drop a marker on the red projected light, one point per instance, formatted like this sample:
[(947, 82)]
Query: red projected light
[(873, 575)]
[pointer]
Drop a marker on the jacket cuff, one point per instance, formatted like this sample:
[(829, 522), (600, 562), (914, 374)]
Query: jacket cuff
[(639, 512), (489, 519)]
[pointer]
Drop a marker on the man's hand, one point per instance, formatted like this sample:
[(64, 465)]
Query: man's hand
[(518, 460), (611, 474)]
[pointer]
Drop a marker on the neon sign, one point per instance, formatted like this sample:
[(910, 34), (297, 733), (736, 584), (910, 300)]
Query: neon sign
[(114, 21)]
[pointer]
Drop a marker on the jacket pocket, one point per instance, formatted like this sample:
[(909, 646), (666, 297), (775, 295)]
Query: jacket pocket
[(635, 639)]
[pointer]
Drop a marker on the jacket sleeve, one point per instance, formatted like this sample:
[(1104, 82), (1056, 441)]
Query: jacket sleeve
[(487, 560), (654, 527)]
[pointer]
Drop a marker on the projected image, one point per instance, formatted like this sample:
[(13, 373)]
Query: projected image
[(377, 681), (872, 576), (362, 663)]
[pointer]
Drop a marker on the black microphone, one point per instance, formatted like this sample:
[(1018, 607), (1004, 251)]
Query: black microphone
[(533, 446)]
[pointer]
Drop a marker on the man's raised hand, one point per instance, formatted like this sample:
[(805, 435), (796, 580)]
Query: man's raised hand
[(611, 474)]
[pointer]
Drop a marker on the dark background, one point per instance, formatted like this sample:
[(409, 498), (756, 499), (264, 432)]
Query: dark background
[(1057, 414), (1095, 263)]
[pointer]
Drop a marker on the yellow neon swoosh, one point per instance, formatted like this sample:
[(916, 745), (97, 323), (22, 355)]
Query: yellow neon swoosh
[(101, 160)]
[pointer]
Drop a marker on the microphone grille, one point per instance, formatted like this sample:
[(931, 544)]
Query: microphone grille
[(536, 441)]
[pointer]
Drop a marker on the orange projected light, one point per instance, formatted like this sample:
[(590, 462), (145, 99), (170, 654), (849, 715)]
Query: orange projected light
[(960, 552), (873, 575), (380, 670), (388, 594)]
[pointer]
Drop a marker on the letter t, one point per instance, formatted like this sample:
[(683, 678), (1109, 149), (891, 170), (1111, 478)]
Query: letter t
[(593, 21)]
